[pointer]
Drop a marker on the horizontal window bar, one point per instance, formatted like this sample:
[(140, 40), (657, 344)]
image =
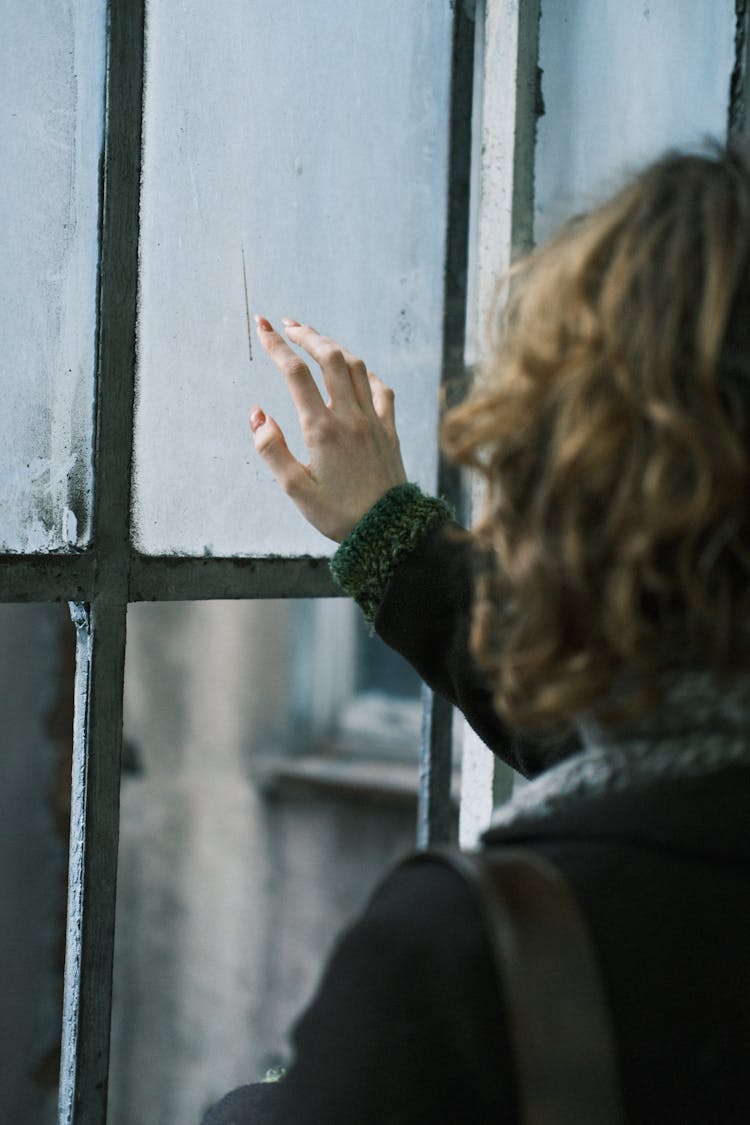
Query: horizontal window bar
[(74, 578), (46, 578), (173, 578)]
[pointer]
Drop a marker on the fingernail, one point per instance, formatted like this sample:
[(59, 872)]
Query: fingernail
[(263, 323), (287, 320), (257, 418)]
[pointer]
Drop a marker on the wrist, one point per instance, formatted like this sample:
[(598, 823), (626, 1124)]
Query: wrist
[(370, 554)]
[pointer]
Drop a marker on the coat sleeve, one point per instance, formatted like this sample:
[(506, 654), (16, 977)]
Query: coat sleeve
[(425, 615), (409, 568), (407, 1025)]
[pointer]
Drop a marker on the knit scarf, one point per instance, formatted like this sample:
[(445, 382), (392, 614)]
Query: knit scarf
[(700, 728)]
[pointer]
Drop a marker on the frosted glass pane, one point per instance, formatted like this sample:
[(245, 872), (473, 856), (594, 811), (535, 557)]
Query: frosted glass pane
[(622, 83), (314, 135), (51, 114)]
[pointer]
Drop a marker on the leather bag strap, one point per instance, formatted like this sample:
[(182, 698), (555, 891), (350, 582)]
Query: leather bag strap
[(559, 1023)]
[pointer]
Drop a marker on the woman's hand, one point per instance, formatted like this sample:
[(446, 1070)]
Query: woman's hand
[(354, 450)]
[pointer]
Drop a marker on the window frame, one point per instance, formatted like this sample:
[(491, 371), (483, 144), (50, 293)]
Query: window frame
[(100, 580)]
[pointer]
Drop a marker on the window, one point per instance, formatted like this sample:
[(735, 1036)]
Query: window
[(327, 150)]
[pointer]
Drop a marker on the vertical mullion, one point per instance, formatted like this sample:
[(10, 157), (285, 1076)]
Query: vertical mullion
[(101, 626), (92, 868), (505, 228), (526, 111), (74, 928), (434, 811), (739, 89)]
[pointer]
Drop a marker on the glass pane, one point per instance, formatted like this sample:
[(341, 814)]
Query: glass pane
[(314, 136), (621, 83), (51, 107), (37, 657), (235, 872), (348, 692)]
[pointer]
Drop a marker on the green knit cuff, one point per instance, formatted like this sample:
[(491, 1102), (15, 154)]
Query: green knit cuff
[(367, 559)]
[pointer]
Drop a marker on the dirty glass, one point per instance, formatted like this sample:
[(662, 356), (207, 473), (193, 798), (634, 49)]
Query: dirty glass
[(621, 83), (313, 137), (51, 109)]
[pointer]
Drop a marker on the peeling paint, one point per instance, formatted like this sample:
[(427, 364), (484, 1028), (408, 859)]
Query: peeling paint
[(37, 517), (81, 620), (51, 89)]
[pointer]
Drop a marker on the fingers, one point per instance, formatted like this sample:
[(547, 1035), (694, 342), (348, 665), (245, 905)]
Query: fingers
[(347, 380), (360, 380), (343, 383), (383, 400), (272, 447), (302, 387)]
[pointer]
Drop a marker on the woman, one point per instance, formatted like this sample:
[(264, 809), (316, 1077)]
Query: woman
[(602, 608)]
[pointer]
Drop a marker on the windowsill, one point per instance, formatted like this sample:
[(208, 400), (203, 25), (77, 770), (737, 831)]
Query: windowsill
[(349, 777), (372, 754), (375, 725)]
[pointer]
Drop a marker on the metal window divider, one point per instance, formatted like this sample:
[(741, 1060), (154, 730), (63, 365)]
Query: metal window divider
[(100, 624), (434, 812), (738, 113)]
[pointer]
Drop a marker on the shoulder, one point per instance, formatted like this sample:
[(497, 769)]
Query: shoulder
[(248, 1105)]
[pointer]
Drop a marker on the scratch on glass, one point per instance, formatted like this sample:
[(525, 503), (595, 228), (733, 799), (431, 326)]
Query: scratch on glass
[(247, 306)]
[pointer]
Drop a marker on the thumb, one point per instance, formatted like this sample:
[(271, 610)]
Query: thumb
[(271, 445)]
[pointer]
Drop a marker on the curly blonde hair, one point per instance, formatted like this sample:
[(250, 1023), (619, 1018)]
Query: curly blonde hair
[(611, 425)]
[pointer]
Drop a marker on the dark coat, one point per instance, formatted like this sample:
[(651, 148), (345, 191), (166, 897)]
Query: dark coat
[(408, 1027)]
